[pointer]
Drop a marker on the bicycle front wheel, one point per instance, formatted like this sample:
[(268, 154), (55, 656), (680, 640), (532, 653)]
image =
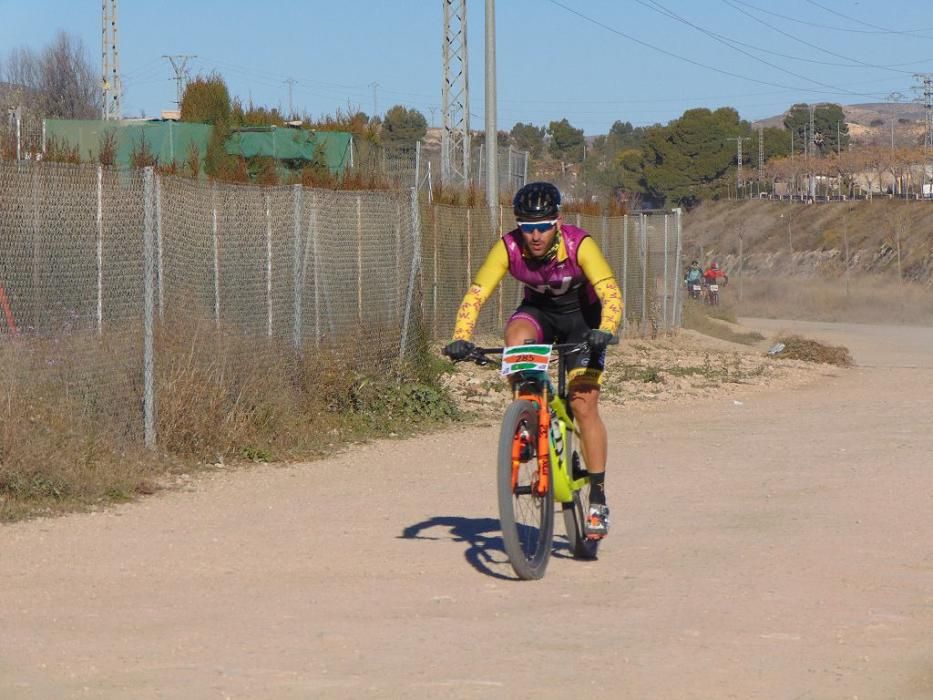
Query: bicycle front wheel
[(526, 517)]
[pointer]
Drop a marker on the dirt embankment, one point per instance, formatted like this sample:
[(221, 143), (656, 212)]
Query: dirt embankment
[(880, 238), (668, 369)]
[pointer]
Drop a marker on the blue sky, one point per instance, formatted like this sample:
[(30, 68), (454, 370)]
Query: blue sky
[(591, 61)]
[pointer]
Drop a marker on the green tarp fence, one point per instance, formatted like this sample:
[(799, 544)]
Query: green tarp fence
[(330, 148), (166, 140), (172, 141)]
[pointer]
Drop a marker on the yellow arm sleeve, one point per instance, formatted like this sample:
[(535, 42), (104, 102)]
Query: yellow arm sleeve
[(485, 282), (600, 275)]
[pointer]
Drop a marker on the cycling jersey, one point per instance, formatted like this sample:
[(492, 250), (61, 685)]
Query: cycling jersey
[(577, 277)]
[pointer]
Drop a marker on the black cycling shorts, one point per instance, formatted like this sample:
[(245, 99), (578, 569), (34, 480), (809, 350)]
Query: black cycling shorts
[(567, 327)]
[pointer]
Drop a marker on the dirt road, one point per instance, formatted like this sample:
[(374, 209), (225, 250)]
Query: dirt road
[(764, 545)]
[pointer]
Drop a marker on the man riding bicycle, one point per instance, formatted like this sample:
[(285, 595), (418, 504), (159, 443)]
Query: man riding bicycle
[(571, 296)]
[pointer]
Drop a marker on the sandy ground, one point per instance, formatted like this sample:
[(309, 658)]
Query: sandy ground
[(769, 541)]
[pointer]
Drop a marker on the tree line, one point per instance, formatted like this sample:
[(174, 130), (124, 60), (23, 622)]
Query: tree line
[(681, 163)]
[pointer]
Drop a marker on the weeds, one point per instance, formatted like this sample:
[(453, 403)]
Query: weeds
[(798, 348), (72, 439)]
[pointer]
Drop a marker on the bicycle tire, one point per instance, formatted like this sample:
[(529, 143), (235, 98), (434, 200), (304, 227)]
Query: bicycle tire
[(526, 519), (581, 546)]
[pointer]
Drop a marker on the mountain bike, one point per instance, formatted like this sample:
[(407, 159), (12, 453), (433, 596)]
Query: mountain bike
[(538, 464)]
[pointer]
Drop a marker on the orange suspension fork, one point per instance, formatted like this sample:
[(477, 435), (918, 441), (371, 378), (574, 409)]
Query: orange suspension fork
[(544, 446)]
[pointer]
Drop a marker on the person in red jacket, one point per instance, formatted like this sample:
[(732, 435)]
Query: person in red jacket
[(714, 275)]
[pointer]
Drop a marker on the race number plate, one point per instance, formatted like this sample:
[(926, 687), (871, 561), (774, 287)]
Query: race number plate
[(524, 358), (714, 287)]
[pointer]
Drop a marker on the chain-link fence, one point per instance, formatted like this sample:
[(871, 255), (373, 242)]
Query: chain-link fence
[(21, 134), (419, 166), (643, 248), (113, 282)]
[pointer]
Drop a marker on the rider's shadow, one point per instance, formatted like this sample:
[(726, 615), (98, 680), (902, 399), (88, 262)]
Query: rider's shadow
[(484, 552)]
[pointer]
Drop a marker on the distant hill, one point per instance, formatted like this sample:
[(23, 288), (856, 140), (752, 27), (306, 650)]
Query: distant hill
[(871, 122)]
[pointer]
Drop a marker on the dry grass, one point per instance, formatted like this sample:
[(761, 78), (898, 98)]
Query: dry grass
[(71, 418), (64, 435), (799, 348), (864, 299)]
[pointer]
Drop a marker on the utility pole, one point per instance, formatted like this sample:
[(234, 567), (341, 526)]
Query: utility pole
[(894, 98), (375, 87), (926, 80), (761, 156), (179, 65), (290, 82), (811, 142), (812, 129), (455, 96), (492, 135), (739, 183), (111, 87)]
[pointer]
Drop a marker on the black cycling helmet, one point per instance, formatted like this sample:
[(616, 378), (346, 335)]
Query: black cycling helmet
[(536, 200)]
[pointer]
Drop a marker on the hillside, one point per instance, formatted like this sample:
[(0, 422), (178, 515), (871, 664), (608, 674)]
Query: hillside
[(871, 122), (794, 261), (817, 232)]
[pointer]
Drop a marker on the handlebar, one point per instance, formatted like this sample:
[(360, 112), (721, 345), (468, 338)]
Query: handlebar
[(479, 355)]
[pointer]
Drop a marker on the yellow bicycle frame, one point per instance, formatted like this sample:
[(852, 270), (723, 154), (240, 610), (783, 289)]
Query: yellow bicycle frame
[(564, 483)]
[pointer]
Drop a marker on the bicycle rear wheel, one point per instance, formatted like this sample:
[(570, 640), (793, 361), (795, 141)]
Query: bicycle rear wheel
[(526, 518), (574, 514)]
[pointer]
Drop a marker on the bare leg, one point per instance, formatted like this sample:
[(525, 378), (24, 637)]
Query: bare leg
[(520, 331), (584, 401)]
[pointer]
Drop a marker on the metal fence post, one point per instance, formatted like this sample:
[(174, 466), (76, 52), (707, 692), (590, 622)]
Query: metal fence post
[(434, 275), (415, 263), (398, 260), (148, 294), (643, 252), (100, 249), (160, 270), (664, 303), (296, 263), (316, 266), (268, 266), (678, 288), (469, 238), (216, 244), (359, 261), (625, 299)]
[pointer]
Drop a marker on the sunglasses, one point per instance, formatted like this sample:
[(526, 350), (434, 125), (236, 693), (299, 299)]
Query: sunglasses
[(539, 226)]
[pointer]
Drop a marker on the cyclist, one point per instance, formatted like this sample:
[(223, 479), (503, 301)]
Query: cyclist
[(694, 275), (714, 275), (571, 295)]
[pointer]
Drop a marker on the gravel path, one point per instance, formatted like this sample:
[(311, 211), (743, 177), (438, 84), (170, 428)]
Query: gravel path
[(766, 544)]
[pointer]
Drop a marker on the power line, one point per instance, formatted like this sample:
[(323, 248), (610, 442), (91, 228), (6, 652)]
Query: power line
[(858, 21), (791, 57), (807, 43), (912, 32), (663, 10), (696, 63)]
